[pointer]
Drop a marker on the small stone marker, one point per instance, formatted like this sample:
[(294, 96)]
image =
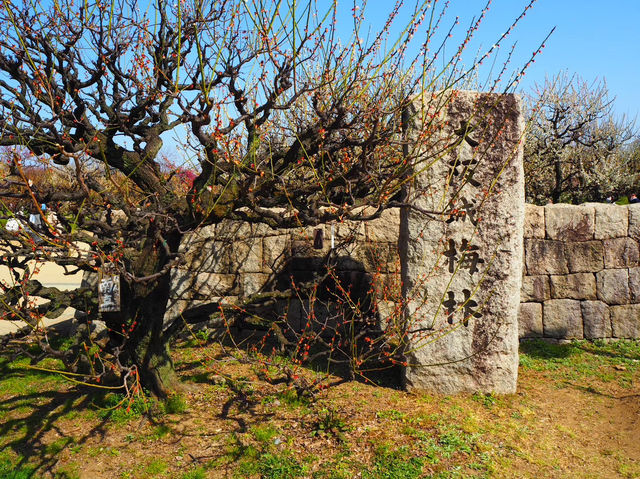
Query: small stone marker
[(462, 265)]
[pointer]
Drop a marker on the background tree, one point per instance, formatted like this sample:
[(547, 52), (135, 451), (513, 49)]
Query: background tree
[(577, 149), (285, 124)]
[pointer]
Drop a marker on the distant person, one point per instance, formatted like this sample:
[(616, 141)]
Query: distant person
[(633, 199), (609, 199)]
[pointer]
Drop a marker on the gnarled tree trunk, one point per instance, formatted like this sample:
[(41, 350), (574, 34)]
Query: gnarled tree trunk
[(138, 327)]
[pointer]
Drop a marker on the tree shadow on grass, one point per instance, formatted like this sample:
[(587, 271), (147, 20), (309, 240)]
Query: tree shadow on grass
[(540, 349), (29, 416), (620, 349)]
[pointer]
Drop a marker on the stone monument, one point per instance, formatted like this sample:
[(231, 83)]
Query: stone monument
[(461, 244)]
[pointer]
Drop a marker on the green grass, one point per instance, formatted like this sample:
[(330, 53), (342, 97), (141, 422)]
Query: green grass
[(160, 431), (156, 467), (175, 404), (580, 360), (197, 473), (20, 380), (455, 436), (392, 463), (279, 466), (11, 468), (119, 409), (58, 446), (264, 434)]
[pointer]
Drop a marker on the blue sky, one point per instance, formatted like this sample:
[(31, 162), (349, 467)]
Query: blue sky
[(593, 39)]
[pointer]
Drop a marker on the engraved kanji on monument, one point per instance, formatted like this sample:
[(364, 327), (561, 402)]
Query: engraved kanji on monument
[(462, 263)]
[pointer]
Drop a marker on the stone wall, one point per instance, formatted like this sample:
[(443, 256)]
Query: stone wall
[(229, 262), (581, 276)]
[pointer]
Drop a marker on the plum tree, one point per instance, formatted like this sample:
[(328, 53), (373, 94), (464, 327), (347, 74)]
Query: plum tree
[(282, 119)]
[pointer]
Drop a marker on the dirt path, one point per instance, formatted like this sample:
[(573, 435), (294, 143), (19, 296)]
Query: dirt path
[(578, 430)]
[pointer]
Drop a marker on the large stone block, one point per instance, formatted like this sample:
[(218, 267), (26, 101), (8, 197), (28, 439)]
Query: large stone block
[(230, 230), (208, 256), (275, 253), (596, 320), (246, 256), (535, 288), (387, 287), (612, 221), (613, 286), (384, 229), (584, 256), (371, 257), (534, 221), (620, 253), (530, 320), (625, 321), (545, 257), (253, 283), (462, 271), (634, 221), (573, 286), (196, 238), (634, 284), (562, 319), (569, 222), (186, 284)]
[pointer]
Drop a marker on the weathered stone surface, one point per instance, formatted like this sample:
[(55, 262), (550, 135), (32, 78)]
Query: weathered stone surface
[(384, 229), (458, 270), (367, 256), (534, 221), (208, 256), (535, 288), (634, 221), (634, 284), (530, 320), (246, 256), (197, 238), (275, 253), (584, 256), (175, 307), (253, 283), (190, 285), (230, 230), (562, 319), (596, 320), (573, 286), (613, 286), (625, 321), (545, 257), (390, 314), (612, 221), (569, 222), (620, 253)]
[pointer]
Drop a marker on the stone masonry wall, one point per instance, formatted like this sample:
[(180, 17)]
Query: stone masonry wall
[(581, 276), (232, 261)]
